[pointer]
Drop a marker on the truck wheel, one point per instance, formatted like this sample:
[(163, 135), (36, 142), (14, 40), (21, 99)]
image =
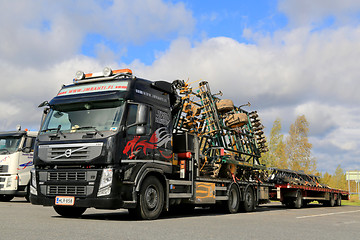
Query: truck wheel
[(6, 198), (298, 200), (66, 211), (248, 204), (331, 202), (233, 202), (27, 196), (151, 200), (338, 200)]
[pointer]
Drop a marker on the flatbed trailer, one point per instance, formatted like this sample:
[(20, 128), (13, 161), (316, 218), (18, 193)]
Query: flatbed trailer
[(306, 190)]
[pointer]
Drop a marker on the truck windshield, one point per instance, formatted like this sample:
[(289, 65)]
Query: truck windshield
[(9, 145), (84, 117)]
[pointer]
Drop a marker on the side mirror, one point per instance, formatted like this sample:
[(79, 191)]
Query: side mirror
[(140, 130), (141, 115), (43, 104), (28, 144)]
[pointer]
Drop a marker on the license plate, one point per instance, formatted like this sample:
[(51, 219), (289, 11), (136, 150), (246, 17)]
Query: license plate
[(67, 201)]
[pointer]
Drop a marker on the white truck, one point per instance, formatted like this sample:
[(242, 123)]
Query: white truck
[(16, 161)]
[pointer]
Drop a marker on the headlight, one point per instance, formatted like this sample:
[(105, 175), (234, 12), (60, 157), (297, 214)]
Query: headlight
[(33, 178), (9, 182), (105, 182)]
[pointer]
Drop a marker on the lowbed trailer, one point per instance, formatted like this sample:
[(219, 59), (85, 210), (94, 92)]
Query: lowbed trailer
[(297, 189)]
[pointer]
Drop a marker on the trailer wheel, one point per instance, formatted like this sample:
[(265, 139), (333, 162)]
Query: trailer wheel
[(338, 200), (298, 201), (248, 204), (6, 198), (233, 202), (66, 211), (331, 202), (151, 200)]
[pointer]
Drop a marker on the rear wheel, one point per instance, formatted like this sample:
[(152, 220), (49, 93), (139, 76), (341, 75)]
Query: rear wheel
[(151, 200), (331, 202), (6, 198), (298, 201), (233, 202), (249, 199), (338, 200), (66, 211)]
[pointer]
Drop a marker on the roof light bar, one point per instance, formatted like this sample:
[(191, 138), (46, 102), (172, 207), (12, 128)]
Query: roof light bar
[(106, 73)]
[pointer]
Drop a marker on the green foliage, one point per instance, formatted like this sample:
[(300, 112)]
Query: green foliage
[(298, 148), (275, 157)]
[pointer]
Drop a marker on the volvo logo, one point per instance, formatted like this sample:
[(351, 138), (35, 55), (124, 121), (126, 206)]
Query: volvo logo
[(68, 153)]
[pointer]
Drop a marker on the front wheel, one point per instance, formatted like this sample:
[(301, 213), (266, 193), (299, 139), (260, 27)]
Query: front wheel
[(66, 211), (151, 199), (6, 198)]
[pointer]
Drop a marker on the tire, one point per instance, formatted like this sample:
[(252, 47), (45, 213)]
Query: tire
[(27, 196), (249, 200), (151, 200), (338, 200), (298, 201), (66, 211), (233, 203), (6, 198), (331, 201)]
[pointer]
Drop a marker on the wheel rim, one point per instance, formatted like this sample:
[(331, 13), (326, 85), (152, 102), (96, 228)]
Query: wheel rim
[(233, 199), (151, 197), (248, 199)]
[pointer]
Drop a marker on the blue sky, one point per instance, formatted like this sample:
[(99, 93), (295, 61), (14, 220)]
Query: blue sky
[(287, 57), (212, 19)]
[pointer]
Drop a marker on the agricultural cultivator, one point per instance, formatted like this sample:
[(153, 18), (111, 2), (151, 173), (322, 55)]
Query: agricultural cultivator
[(231, 139)]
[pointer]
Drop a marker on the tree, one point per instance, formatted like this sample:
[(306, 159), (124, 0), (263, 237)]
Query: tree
[(326, 178), (298, 148), (275, 157), (338, 180)]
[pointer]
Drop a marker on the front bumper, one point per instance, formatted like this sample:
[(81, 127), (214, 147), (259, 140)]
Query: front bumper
[(100, 203)]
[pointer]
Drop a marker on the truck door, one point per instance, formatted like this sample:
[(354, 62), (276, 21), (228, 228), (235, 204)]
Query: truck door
[(163, 134), (26, 160), (139, 143)]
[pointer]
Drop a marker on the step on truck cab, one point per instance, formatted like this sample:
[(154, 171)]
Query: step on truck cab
[(111, 140), (16, 161)]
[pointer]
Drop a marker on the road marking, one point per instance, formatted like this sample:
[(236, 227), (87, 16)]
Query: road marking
[(327, 214)]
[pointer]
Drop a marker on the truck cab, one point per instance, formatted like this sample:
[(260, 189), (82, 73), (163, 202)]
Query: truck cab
[(16, 161), (97, 135)]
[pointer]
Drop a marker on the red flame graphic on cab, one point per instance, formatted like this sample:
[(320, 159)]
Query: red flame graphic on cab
[(159, 138)]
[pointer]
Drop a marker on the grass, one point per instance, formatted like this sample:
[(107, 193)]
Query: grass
[(354, 201)]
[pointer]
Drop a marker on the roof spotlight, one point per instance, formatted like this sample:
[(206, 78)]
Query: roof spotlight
[(79, 75), (107, 72)]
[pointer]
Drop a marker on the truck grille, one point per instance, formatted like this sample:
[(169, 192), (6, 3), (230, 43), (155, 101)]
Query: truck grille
[(67, 190), (4, 168), (66, 176), (70, 152)]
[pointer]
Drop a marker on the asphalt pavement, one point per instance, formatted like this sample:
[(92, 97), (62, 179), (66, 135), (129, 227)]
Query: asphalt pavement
[(21, 220)]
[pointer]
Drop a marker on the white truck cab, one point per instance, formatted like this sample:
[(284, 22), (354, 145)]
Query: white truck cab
[(16, 161)]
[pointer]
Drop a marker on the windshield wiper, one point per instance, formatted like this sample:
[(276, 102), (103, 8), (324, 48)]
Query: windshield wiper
[(57, 131), (4, 150), (96, 131)]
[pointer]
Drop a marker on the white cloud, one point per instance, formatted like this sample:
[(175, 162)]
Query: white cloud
[(43, 32), (293, 72), (309, 12)]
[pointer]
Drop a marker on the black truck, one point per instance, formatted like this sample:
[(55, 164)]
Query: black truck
[(112, 140)]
